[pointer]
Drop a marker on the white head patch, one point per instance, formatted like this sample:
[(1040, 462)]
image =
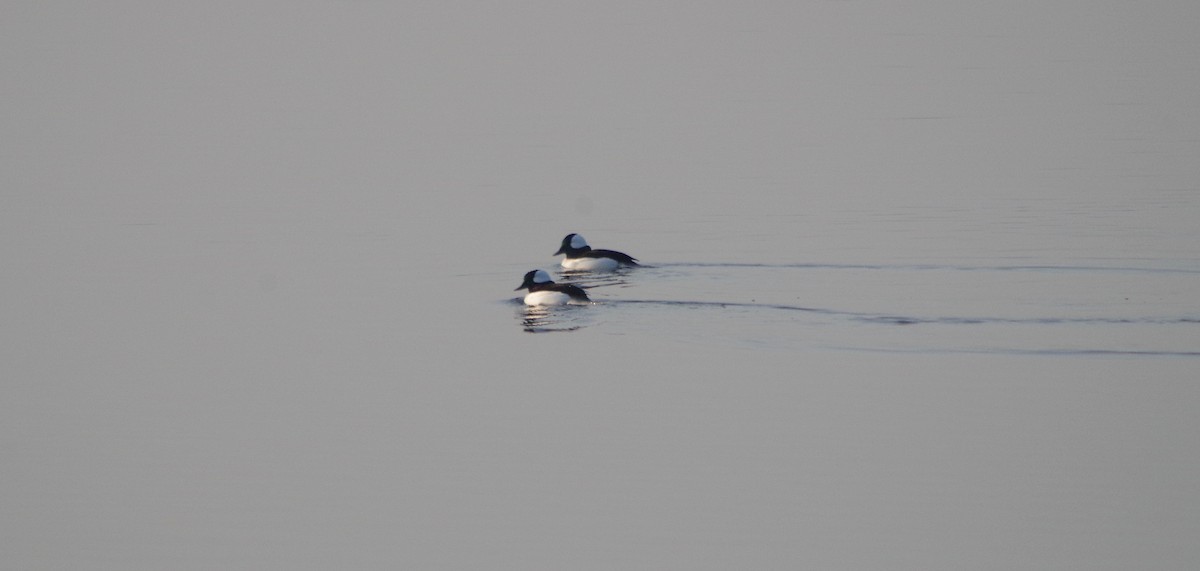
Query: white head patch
[(541, 277), (578, 242)]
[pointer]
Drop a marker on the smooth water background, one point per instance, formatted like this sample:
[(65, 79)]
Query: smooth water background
[(923, 285)]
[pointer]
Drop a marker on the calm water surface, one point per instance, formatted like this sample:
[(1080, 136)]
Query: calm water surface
[(921, 286)]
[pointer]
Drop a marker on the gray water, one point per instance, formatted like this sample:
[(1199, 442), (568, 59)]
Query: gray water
[(921, 285)]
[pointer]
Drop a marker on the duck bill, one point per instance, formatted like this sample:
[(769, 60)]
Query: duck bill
[(561, 250), (520, 287)]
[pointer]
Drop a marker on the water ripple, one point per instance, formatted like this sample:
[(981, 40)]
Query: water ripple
[(931, 267), (915, 320), (1027, 352), (541, 319)]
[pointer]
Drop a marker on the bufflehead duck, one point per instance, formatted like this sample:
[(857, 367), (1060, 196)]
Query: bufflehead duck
[(542, 291), (580, 256)]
